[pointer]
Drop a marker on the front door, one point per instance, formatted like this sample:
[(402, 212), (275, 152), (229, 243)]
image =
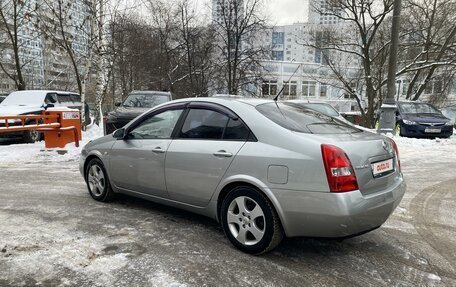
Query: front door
[(137, 163)]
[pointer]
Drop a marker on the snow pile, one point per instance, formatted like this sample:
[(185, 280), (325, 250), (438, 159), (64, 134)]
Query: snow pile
[(37, 152), (427, 148)]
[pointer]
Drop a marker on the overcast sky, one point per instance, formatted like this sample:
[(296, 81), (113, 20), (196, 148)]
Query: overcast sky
[(287, 11), (280, 12)]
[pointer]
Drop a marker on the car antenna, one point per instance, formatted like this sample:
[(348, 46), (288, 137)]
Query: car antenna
[(283, 86)]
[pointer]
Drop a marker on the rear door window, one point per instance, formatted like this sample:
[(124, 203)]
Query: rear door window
[(204, 124), (305, 120), (236, 130)]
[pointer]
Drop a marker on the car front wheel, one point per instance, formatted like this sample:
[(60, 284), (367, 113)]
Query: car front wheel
[(97, 181), (250, 221), (397, 129)]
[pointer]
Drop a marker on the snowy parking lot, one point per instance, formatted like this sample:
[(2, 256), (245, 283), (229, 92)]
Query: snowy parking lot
[(52, 233)]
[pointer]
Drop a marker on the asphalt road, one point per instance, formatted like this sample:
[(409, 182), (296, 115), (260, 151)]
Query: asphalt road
[(53, 234)]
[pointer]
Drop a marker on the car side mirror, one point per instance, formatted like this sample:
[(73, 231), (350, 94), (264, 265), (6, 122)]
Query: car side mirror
[(119, 134), (117, 104), (46, 106)]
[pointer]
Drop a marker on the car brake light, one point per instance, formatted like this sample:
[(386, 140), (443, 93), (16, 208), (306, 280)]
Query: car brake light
[(339, 170), (396, 150)]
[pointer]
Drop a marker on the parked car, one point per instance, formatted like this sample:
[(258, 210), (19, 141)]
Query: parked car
[(450, 112), (414, 119), (2, 98), (135, 104), (34, 102), (263, 169), (321, 107)]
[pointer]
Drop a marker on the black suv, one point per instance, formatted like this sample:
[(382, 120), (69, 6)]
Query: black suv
[(135, 104)]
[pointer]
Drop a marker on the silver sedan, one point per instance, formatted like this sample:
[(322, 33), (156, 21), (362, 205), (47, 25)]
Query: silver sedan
[(263, 169)]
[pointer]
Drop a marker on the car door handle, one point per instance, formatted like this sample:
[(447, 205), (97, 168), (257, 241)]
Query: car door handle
[(223, 153), (158, 150)]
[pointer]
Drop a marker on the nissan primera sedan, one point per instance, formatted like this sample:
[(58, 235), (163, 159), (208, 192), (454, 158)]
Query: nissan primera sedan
[(263, 169)]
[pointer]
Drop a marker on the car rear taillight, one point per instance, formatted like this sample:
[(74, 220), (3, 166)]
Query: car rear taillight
[(339, 170), (396, 150)]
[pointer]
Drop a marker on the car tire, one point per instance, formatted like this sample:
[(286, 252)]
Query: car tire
[(250, 221), (98, 182), (397, 129), (32, 136)]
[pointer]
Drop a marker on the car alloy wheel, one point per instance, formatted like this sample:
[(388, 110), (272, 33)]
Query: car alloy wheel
[(397, 129), (97, 181), (246, 220), (250, 221)]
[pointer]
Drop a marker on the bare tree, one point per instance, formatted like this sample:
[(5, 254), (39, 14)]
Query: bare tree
[(198, 46), (366, 19), (236, 25), (58, 25), (15, 16), (428, 43)]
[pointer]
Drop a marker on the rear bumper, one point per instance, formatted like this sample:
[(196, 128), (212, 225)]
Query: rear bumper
[(319, 214)]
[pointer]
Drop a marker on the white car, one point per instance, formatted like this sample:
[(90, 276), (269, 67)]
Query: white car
[(34, 102)]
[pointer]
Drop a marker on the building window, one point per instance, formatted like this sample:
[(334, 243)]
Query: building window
[(323, 90), (289, 89), (277, 55), (269, 88), (277, 38), (308, 88)]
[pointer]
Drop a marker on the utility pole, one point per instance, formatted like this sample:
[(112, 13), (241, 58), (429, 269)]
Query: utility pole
[(388, 109)]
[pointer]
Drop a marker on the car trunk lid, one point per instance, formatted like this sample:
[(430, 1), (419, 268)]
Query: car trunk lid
[(372, 156)]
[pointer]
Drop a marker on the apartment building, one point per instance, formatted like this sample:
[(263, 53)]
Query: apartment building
[(45, 64)]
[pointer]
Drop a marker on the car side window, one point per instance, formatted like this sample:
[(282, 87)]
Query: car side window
[(204, 124), (236, 130), (158, 126), (63, 98), (50, 98)]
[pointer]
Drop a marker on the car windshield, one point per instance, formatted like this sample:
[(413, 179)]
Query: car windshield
[(145, 100), (24, 99), (322, 108), (297, 118), (418, 108)]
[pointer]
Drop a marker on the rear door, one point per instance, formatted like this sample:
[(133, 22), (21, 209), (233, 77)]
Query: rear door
[(137, 163), (202, 151)]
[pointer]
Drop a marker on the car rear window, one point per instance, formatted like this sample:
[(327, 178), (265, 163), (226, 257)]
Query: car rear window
[(322, 108), (305, 120)]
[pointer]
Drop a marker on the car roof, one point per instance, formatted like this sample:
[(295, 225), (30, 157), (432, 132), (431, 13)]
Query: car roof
[(228, 100), (43, 92), (151, 92)]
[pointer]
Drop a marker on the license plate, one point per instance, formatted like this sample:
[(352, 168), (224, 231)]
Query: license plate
[(382, 167), (434, 131)]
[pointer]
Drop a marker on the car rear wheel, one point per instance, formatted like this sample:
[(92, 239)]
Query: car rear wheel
[(249, 221), (98, 182)]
